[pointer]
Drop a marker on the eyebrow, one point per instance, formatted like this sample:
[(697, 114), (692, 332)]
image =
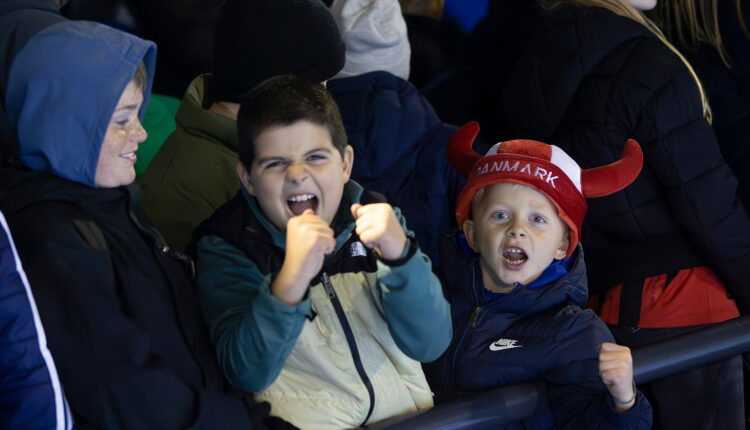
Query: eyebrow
[(128, 107)]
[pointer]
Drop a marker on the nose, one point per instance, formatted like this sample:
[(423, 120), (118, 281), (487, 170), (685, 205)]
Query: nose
[(296, 173), (516, 229), (138, 133)]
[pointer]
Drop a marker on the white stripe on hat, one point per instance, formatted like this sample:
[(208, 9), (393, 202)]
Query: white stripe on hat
[(562, 160)]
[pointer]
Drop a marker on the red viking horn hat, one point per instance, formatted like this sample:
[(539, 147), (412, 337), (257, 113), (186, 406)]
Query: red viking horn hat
[(546, 168)]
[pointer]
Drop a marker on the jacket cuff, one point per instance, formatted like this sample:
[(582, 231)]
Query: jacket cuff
[(409, 250), (631, 417)]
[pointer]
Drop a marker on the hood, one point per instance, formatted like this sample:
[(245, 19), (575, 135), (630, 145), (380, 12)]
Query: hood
[(62, 90), (385, 119), (557, 58)]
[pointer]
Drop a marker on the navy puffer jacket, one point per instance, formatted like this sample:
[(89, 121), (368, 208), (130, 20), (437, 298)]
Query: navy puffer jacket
[(588, 81), (534, 332), (399, 151)]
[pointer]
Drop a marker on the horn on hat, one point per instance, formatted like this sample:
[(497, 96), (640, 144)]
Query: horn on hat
[(459, 151), (606, 180)]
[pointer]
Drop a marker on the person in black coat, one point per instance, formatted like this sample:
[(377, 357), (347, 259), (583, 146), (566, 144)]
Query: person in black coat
[(717, 44), (672, 251), (122, 320)]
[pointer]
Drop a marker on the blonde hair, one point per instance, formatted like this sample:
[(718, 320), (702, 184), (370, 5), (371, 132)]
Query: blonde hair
[(696, 21), (625, 9)]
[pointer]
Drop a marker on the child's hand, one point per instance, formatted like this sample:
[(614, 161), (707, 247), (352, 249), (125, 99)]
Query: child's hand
[(616, 370), (308, 240), (378, 228)]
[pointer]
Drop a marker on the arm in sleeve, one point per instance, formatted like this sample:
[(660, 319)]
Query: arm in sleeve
[(35, 399), (252, 330), (413, 304), (578, 397), (113, 373), (700, 186)]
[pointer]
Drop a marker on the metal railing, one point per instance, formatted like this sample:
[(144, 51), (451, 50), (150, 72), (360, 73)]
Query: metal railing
[(504, 405)]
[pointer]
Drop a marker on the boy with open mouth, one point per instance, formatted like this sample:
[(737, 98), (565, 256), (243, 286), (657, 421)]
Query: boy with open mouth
[(516, 281), (318, 298)]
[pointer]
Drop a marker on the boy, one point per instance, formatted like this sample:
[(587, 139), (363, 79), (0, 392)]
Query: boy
[(318, 298), (517, 284)]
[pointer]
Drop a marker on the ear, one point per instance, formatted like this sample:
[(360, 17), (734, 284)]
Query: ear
[(348, 158), (244, 177), (468, 229), (562, 250)]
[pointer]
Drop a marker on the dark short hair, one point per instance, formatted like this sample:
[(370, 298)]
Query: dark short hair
[(282, 101)]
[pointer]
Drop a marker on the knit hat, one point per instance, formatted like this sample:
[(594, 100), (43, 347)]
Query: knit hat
[(546, 168), (257, 39), (375, 35)]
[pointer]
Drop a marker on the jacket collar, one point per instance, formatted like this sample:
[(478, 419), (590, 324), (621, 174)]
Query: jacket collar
[(343, 223)]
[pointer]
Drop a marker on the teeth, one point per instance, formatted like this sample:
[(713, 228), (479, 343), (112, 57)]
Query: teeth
[(301, 198), (128, 155), (515, 250)]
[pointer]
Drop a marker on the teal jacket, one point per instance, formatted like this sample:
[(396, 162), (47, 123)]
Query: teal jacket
[(390, 314)]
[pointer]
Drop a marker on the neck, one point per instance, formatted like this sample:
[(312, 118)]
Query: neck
[(492, 282), (227, 109)]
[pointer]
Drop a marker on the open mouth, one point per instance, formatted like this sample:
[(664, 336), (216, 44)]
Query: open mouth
[(129, 156), (301, 202), (514, 256)]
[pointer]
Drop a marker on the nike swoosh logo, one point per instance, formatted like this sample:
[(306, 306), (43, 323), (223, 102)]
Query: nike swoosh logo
[(494, 347)]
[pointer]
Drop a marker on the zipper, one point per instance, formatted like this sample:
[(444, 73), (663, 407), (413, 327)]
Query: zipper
[(474, 316), (327, 285), (349, 334), (449, 370)]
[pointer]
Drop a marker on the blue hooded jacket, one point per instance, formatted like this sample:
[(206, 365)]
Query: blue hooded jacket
[(399, 151), (60, 98)]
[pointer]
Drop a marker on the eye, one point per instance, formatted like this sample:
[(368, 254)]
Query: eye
[(122, 123), (316, 157), (538, 219), (500, 215), (273, 164)]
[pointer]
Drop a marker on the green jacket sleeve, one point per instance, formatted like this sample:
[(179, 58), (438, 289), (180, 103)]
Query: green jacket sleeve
[(413, 304), (252, 330)]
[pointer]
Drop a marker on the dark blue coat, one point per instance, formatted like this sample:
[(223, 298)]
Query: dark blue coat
[(527, 334), (399, 151), (31, 395)]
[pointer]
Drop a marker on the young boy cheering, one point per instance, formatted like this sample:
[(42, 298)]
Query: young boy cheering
[(318, 298), (516, 282)]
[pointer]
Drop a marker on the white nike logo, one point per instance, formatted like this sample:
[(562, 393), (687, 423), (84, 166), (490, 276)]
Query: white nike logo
[(502, 344)]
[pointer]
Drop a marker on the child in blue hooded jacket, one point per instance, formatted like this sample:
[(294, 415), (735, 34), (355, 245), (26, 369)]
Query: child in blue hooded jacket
[(516, 282)]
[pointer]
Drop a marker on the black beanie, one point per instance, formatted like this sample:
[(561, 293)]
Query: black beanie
[(257, 39)]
